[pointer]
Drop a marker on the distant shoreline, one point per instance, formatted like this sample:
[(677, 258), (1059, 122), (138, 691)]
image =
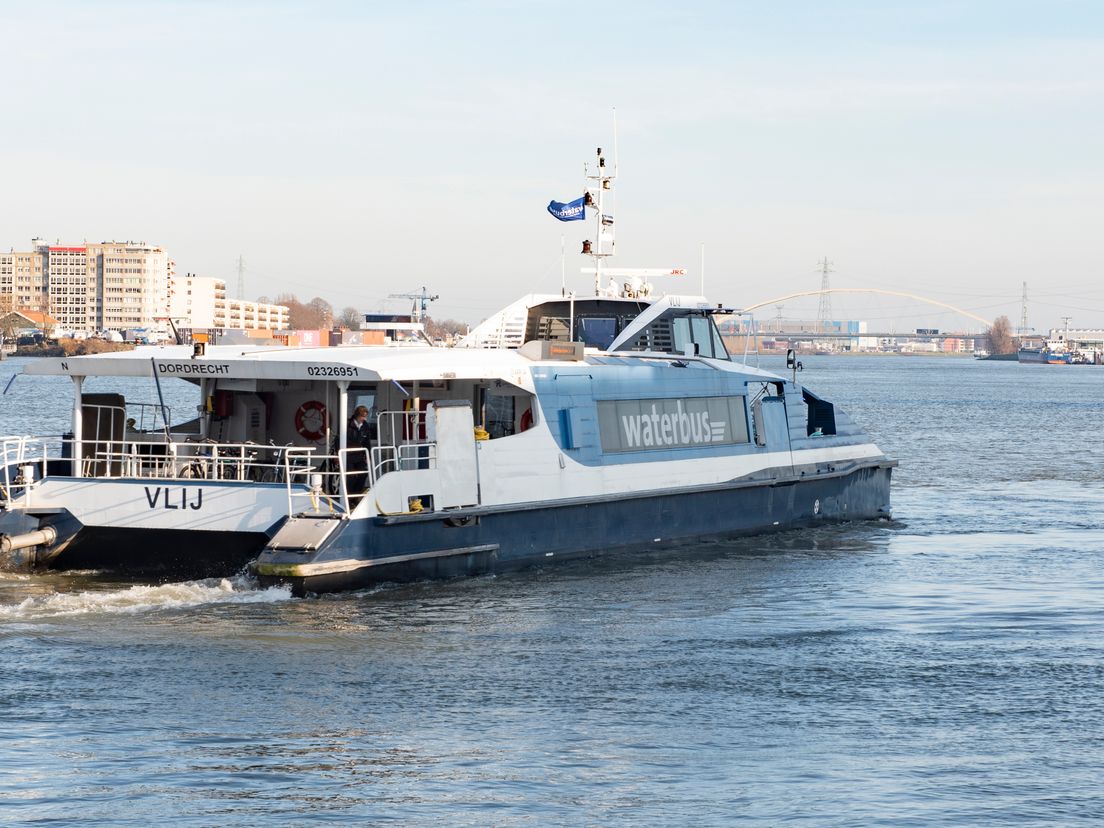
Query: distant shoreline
[(102, 347), (858, 354), (72, 347)]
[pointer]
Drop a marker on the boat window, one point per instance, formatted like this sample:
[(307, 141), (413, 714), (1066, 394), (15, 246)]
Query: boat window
[(696, 335), (554, 327), (700, 327), (595, 331), (503, 413), (498, 415), (680, 334), (360, 396), (822, 415), (719, 349)]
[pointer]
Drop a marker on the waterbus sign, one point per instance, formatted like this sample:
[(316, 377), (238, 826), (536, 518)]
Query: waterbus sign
[(647, 425)]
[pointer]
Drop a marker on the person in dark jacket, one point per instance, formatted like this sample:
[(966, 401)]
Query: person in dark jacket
[(356, 462)]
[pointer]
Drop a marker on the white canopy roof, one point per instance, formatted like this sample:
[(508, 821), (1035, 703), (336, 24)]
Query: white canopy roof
[(365, 363), (368, 363)]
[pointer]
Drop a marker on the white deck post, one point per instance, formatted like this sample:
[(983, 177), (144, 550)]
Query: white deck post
[(204, 417), (342, 414), (78, 425), (342, 435)]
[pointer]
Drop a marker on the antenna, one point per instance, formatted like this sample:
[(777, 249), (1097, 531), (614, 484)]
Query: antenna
[(615, 142), (703, 268), (824, 312), (563, 266), (241, 277)]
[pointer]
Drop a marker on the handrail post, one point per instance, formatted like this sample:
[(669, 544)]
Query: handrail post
[(78, 425), (4, 472), (342, 480), (287, 480), (6, 485)]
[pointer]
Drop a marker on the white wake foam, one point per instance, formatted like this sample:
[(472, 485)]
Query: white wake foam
[(136, 599)]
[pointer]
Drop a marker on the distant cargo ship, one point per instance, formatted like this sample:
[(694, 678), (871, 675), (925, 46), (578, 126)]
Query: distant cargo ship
[(1047, 355)]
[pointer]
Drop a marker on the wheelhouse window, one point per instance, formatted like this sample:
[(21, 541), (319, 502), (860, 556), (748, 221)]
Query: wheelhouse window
[(596, 322), (553, 327), (697, 336), (596, 331)]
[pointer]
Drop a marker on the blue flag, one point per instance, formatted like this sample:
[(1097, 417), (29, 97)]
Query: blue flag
[(572, 211)]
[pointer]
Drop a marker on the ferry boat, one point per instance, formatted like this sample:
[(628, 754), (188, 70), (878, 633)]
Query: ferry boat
[(564, 427)]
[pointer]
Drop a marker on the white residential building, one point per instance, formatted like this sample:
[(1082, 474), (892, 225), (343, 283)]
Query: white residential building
[(199, 302)]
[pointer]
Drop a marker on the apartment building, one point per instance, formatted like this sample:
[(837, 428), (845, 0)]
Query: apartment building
[(71, 287), (103, 286), (200, 302), (23, 280), (132, 285)]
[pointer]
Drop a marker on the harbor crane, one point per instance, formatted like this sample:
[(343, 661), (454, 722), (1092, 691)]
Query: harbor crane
[(421, 300)]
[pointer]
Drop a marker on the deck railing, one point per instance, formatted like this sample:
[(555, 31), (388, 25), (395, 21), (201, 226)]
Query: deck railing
[(22, 463), (401, 458), (324, 486), (332, 483), (403, 444)]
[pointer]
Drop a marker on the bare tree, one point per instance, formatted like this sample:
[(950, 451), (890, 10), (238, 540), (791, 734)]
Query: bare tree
[(302, 316), (1001, 340), (445, 328), (350, 318), (323, 309)]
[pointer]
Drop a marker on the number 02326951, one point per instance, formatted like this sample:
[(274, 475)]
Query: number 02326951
[(332, 371)]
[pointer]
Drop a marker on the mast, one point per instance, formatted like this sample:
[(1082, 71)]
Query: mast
[(599, 197), (603, 228)]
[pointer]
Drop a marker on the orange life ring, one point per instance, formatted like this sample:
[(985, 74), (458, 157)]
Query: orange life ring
[(310, 420), (526, 420)]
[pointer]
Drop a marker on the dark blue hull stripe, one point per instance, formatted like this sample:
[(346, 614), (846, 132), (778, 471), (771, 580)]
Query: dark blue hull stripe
[(363, 552)]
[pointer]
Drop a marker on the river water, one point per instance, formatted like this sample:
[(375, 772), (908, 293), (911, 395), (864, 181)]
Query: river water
[(943, 668)]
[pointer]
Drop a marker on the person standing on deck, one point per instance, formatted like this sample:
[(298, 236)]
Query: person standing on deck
[(356, 463)]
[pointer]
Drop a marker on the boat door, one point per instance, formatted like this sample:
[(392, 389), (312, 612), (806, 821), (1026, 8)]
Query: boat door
[(772, 429), (452, 428), (577, 416)]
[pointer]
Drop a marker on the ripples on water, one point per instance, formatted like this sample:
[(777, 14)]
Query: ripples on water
[(944, 668)]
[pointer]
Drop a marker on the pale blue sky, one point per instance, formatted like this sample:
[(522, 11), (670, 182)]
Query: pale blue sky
[(358, 149)]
